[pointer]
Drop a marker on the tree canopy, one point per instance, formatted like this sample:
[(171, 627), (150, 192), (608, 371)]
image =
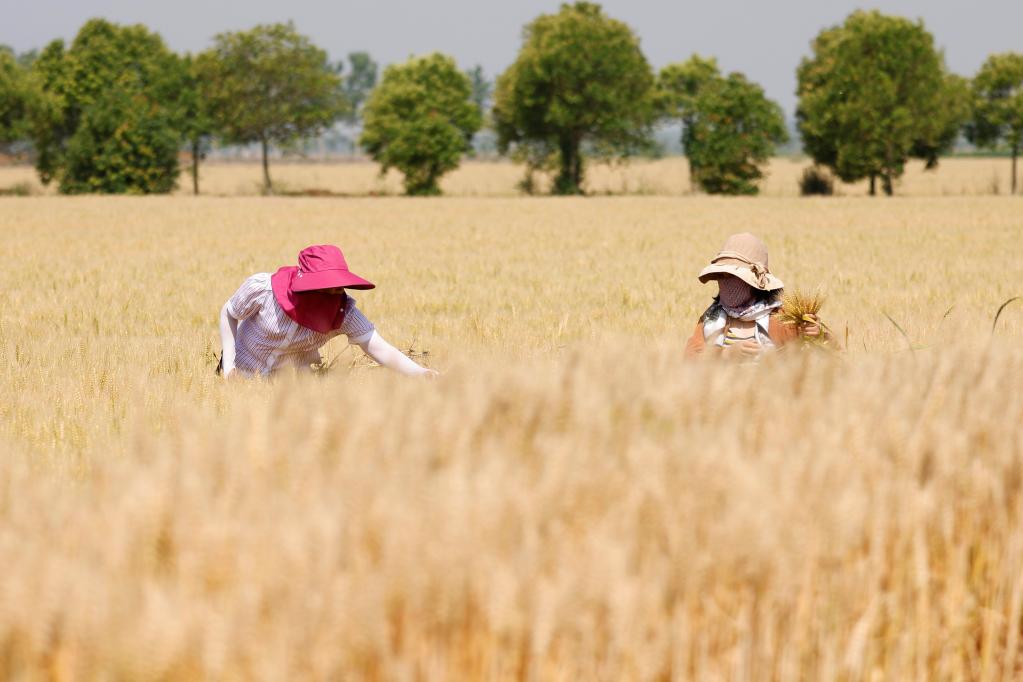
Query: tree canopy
[(580, 78), (14, 98), (106, 118), (874, 93), (998, 106), (677, 87), (270, 85), (420, 120), (729, 127)]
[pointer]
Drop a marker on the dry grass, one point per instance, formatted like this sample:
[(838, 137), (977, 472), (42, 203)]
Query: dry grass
[(667, 177), (567, 502)]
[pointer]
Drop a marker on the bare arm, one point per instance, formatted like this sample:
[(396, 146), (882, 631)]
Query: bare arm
[(228, 331), (387, 355)]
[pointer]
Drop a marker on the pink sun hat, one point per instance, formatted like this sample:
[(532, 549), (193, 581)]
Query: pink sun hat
[(324, 267)]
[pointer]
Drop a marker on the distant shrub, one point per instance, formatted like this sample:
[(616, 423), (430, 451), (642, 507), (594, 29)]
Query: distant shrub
[(816, 180)]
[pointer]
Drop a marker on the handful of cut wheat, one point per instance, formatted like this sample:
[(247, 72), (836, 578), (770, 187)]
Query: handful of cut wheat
[(799, 308)]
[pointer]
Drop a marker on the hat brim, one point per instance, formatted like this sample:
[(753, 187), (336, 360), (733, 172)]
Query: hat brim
[(718, 270), (329, 279)]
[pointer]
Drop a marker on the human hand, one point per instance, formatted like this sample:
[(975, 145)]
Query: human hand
[(744, 349), (428, 373), (811, 326)]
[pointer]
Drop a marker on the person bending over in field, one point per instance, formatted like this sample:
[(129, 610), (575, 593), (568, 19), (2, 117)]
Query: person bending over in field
[(743, 320), (282, 320)]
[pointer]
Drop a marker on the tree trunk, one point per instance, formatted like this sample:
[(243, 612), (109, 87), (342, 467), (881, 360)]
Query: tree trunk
[(873, 185), (577, 170), (1015, 155), (570, 176), (268, 188), (195, 167), (564, 181), (431, 185), (886, 184), (687, 126), (886, 176)]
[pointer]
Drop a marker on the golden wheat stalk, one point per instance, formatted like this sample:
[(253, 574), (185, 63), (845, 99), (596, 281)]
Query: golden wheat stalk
[(800, 309)]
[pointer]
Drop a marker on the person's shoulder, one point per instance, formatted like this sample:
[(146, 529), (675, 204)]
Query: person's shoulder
[(713, 312), (250, 296), (260, 278), (257, 284), (355, 326)]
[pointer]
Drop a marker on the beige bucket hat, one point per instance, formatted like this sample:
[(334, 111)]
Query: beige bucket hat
[(744, 256)]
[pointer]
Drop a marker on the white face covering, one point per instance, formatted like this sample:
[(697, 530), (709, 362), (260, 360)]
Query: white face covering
[(733, 292)]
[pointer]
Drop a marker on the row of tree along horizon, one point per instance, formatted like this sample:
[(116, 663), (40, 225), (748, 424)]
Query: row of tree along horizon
[(111, 112)]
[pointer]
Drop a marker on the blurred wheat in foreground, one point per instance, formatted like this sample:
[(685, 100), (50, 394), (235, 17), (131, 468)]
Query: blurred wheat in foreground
[(570, 501), (597, 518)]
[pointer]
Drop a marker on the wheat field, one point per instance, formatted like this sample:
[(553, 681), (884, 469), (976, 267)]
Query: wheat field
[(664, 177), (570, 500)]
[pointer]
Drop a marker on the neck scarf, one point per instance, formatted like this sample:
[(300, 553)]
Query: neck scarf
[(751, 312), (314, 310)]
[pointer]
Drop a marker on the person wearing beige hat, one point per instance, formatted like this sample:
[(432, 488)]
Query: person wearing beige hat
[(742, 321)]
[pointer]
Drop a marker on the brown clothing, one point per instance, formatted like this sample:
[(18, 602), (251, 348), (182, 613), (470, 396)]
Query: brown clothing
[(779, 332)]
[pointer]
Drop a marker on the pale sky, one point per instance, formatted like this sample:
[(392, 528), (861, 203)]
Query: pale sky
[(764, 39)]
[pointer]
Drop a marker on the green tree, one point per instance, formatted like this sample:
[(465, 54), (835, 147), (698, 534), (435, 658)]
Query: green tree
[(677, 87), (937, 134), (106, 118), (580, 78), (420, 120), (874, 93), (997, 115), (120, 147), (270, 85), (14, 99), (732, 132), (360, 81), (197, 124)]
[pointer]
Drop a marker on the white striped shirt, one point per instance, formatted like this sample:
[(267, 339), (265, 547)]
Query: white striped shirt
[(268, 339)]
